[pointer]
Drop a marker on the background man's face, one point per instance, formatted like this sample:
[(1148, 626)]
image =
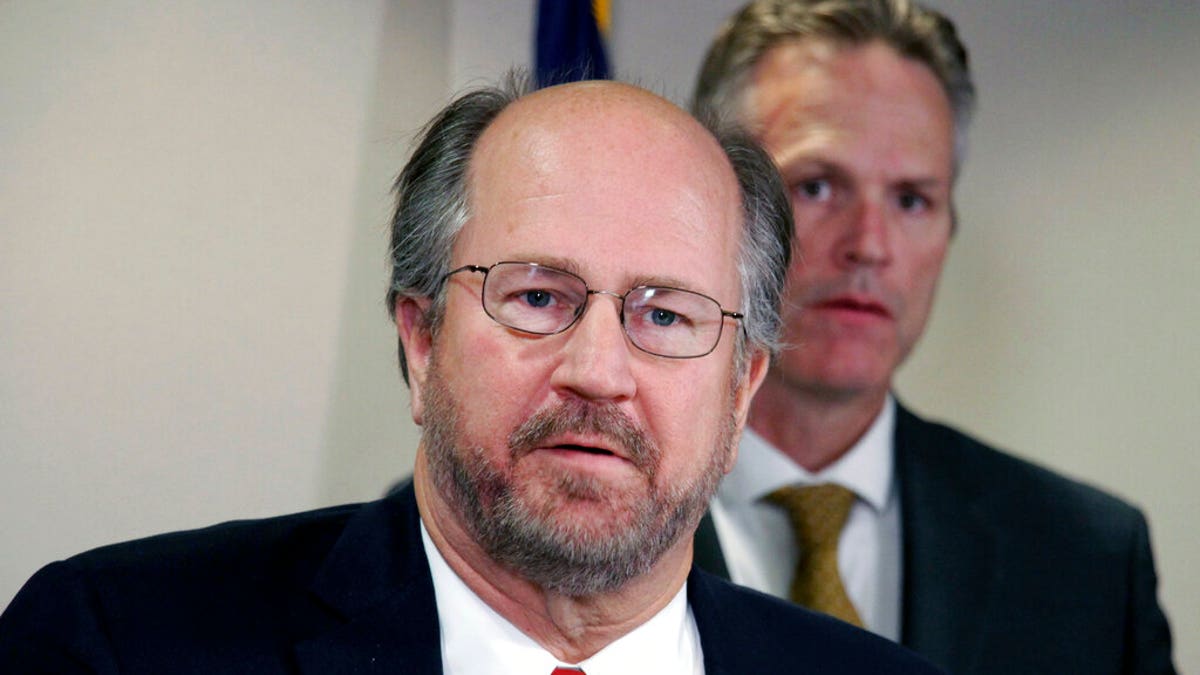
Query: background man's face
[(633, 444), (864, 139)]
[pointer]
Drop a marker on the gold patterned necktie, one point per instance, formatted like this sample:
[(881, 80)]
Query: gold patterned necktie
[(818, 513)]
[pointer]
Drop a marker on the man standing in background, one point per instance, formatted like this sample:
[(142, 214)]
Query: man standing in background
[(842, 499)]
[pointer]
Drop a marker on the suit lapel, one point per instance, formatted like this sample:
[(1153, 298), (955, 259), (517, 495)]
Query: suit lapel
[(950, 574), (376, 581), (706, 549), (724, 650)]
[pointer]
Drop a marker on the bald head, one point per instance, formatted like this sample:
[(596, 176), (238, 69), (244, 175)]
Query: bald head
[(614, 105), (623, 147), (598, 114)]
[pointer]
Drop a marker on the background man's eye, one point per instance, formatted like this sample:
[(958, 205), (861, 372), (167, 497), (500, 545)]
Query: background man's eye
[(814, 190), (911, 202)]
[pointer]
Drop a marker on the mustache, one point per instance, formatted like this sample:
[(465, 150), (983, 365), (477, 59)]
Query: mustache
[(582, 417)]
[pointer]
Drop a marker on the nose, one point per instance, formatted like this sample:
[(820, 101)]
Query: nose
[(866, 238), (596, 360)]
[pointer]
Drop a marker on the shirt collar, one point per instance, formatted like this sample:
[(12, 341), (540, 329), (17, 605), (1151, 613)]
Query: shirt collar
[(866, 468), (476, 639)]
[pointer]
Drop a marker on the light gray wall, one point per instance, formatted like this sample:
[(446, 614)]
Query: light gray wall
[(192, 206), (369, 439)]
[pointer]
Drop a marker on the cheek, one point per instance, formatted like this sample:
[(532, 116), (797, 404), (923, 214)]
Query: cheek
[(794, 318), (802, 276), (686, 418), (930, 269), (807, 219), (922, 285), (812, 253), (493, 385)]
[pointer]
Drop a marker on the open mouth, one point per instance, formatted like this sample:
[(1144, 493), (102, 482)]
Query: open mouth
[(587, 455), (585, 448)]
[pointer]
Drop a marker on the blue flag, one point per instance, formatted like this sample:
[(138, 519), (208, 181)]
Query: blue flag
[(570, 41)]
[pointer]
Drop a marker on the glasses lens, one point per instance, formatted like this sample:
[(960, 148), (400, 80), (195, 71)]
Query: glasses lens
[(532, 298), (672, 322)]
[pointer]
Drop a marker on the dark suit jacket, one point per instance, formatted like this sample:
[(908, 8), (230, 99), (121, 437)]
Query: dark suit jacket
[(1010, 568), (341, 590)]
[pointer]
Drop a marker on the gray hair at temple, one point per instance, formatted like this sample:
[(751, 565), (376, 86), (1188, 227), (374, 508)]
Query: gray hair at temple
[(914, 31), (432, 206)]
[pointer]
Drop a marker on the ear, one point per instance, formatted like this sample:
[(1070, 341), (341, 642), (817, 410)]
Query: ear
[(418, 347), (756, 372)]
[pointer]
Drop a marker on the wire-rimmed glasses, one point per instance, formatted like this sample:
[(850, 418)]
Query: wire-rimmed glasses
[(531, 298)]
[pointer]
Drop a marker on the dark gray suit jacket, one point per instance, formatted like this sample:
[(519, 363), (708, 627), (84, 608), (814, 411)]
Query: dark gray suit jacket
[(1010, 568), (341, 590)]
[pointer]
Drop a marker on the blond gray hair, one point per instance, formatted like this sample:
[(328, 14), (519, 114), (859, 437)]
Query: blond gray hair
[(914, 31)]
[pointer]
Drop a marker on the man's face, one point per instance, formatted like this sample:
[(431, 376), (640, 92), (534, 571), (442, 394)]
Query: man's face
[(864, 140), (575, 458)]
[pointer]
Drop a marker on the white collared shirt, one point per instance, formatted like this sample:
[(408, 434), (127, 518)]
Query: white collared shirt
[(478, 641), (756, 536)]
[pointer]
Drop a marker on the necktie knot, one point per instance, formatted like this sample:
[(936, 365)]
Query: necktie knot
[(817, 514)]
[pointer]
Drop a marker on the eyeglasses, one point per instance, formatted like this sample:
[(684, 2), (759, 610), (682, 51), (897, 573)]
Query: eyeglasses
[(541, 300)]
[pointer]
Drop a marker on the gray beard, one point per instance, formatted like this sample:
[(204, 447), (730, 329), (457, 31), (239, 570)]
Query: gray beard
[(560, 555)]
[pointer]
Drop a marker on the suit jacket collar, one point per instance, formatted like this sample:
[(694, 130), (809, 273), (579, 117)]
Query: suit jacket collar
[(736, 639), (950, 573), (706, 548), (376, 585), (707, 612)]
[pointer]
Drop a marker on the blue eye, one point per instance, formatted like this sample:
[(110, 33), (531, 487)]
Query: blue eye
[(911, 201), (662, 317), (537, 298), (815, 190)]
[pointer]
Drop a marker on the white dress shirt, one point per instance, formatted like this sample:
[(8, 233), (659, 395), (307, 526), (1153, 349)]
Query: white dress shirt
[(756, 536), (478, 641)]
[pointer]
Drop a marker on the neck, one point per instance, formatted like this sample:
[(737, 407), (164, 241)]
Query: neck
[(570, 628), (813, 427)]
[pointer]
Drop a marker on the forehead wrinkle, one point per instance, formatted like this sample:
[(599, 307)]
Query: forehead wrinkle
[(512, 223)]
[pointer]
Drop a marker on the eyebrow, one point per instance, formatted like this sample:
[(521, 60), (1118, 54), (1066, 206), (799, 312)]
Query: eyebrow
[(569, 265), (564, 264), (806, 165), (665, 282)]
